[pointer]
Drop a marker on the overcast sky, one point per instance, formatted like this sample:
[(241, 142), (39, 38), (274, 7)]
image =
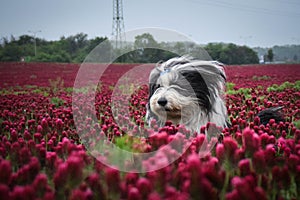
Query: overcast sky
[(262, 23)]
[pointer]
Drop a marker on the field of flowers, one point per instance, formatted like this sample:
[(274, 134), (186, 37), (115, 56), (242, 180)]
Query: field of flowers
[(42, 156)]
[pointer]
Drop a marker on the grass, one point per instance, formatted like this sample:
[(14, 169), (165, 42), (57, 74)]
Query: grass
[(283, 86), (231, 91), (57, 101), (258, 78)]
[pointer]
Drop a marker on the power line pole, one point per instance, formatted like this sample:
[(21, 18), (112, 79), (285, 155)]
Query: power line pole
[(118, 31), (34, 36)]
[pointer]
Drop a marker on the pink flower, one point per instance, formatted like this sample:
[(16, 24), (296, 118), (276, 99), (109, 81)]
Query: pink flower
[(75, 168), (38, 138), (297, 136), (24, 155), (230, 146), (81, 194), (34, 165), (112, 179), (239, 154), (44, 123), (144, 186), (154, 196), (194, 163), (27, 136), (214, 174), (4, 191), (270, 155), (271, 139), (59, 123), (264, 139), (94, 182), (170, 192), (39, 129), (233, 195), (61, 176), (250, 141), (6, 171), (259, 162), (40, 184), (256, 120), (245, 187), (177, 141), (19, 192), (220, 151), (281, 177), (3, 152), (292, 162), (134, 194), (260, 193), (239, 137), (13, 135), (131, 178), (244, 167)]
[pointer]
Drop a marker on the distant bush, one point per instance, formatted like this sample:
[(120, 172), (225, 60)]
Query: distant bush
[(232, 54)]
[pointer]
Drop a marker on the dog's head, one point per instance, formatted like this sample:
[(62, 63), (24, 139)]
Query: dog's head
[(184, 91)]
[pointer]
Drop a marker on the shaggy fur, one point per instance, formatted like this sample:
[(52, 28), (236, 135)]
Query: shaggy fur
[(187, 91)]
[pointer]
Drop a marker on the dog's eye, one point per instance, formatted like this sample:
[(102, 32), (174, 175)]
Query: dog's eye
[(178, 88), (181, 90), (156, 86), (158, 89), (153, 89)]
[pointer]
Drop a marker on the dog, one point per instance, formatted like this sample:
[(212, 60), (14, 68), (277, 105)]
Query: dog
[(187, 91)]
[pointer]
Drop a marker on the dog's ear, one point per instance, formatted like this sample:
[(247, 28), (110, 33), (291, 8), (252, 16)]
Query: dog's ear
[(153, 86), (199, 87), (271, 113)]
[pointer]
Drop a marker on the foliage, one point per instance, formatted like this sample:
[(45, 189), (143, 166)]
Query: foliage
[(231, 53), (76, 48), (57, 101), (286, 53), (231, 90), (264, 77), (67, 49), (283, 86), (270, 55)]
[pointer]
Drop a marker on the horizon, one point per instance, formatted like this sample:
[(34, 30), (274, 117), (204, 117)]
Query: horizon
[(131, 41)]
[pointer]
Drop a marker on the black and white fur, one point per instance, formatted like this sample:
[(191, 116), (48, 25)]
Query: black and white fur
[(187, 91)]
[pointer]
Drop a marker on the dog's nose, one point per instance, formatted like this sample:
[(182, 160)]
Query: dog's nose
[(162, 101)]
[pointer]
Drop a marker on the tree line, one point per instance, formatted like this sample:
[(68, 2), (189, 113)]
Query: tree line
[(285, 53), (74, 49)]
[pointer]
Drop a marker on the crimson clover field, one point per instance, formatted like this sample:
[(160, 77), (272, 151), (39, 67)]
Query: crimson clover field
[(43, 157)]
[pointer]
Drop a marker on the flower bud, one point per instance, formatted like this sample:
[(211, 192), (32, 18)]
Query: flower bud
[(259, 162), (5, 169), (244, 167), (134, 194)]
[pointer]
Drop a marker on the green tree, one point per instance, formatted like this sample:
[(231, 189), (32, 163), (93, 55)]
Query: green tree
[(231, 53), (295, 58), (11, 52), (214, 50), (145, 40), (270, 55), (147, 49), (144, 50)]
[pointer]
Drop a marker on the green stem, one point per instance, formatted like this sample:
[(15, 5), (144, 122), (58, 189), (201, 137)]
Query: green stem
[(226, 182)]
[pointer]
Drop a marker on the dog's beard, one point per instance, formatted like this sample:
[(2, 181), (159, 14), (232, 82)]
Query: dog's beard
[(179, 109)]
